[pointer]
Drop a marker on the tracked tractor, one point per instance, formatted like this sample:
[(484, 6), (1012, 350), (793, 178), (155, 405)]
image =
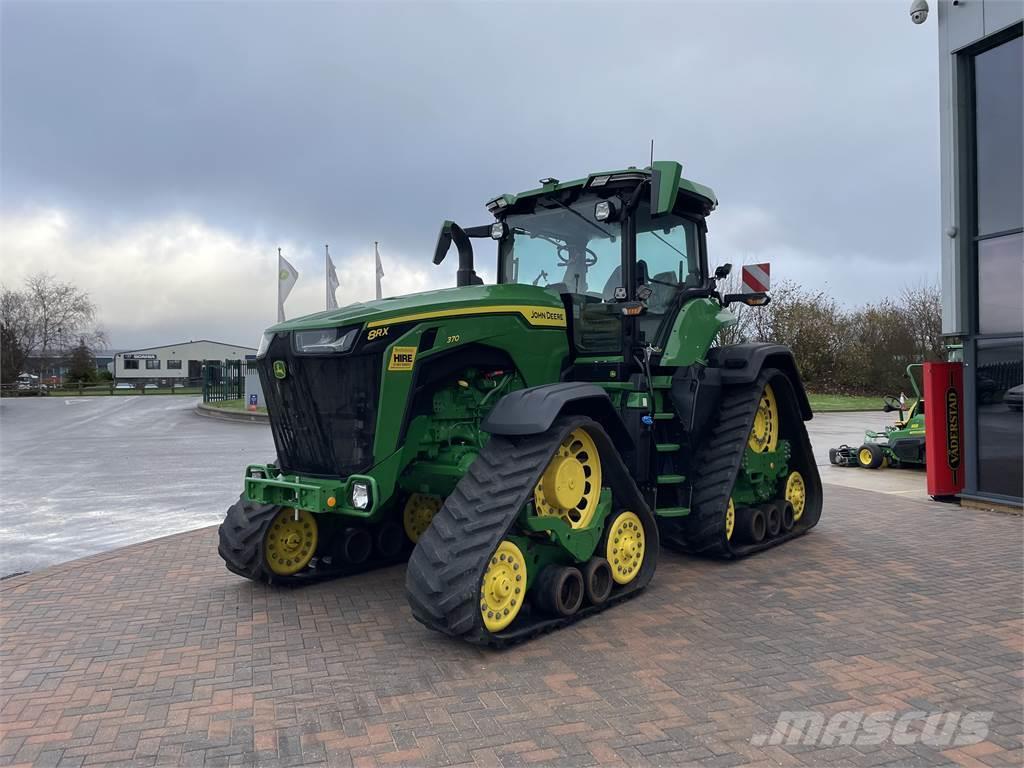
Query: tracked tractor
[(527, 444)]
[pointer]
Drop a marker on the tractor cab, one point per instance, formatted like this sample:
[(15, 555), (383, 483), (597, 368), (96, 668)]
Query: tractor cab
[(624, 251)]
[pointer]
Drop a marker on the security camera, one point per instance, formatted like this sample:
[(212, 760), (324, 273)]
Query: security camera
[(919, 11)]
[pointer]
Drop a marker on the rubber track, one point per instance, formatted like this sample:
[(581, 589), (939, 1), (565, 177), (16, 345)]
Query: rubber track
[(240, 545), (718, 466), (446, 567)]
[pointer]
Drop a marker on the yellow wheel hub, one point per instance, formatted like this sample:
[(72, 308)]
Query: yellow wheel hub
[(418, 513), (290, 542), (764, 435), (625, 548), (865, 456), (730, 520), (571, 484), (796, 494), (503, 587)]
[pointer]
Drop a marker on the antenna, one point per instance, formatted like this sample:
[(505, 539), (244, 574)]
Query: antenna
[(652, 153)]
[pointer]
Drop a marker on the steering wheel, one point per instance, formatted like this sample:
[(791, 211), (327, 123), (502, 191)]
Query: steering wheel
[(589, 259), (892, 403)]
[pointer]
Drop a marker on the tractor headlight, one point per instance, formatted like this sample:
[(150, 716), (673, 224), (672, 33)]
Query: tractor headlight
[(606, 210), (497, 230), (323, 340), (360, 495), (264, 345)]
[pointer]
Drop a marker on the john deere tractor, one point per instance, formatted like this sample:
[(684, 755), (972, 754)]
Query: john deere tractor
[(527, 444)]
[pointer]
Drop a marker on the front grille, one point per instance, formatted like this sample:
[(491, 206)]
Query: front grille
[(324, 411)]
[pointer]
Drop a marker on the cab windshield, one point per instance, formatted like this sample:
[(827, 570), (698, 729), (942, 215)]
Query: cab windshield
[(564, 248)]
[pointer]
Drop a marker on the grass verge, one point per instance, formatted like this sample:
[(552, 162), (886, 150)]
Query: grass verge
[(825, 403)]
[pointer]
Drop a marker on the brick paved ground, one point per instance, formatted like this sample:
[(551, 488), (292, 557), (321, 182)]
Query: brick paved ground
[(155, 655)]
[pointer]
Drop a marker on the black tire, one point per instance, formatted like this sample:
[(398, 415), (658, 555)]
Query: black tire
[(751, 524), (877, 456), (787, 516), (832, 453), (597, 580), (773, 520), (559, 590)]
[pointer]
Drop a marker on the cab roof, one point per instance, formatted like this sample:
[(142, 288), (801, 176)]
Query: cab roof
[(666, 174)]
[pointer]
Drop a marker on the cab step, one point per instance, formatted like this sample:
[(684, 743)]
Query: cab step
[(671, 479), (664, 416), (667, 447), (672, 512)]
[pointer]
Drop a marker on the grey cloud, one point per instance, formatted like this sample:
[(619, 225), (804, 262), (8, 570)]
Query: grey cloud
[(349, 122)]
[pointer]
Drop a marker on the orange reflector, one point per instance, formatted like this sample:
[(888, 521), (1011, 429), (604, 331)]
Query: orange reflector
[(331, 501), (632, 310)]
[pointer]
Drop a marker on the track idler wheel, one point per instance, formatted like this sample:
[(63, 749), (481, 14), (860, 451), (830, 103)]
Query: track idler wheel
[(290, 541), (788, 516), (356, 545), (559, 590), (751, 524), (597, 580), (389, 540), (773, 520)]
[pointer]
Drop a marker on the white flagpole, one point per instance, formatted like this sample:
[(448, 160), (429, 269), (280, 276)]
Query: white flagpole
[(378, 269), (327, 277), (280, 306)]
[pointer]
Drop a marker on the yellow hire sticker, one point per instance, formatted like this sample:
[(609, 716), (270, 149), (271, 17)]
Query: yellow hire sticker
[(402, 358)]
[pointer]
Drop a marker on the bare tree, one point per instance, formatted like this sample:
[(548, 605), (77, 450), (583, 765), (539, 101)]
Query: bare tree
[(48, 317)]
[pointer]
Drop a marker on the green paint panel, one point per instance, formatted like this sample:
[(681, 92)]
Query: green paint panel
[(693, 332)]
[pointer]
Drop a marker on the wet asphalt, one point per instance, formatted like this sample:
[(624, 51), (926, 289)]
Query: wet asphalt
[(84, 475)]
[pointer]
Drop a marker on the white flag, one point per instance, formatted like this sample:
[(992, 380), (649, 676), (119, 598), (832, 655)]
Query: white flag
[(286, 277), (332, 281), (380, 269)]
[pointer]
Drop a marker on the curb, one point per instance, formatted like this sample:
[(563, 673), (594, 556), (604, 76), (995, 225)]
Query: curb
[(239, 417)]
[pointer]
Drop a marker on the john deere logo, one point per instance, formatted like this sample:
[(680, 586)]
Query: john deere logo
[(284, 274), (280, 370), (402, 358), (953, 428)]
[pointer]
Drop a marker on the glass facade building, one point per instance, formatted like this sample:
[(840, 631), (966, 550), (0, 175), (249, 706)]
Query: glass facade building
[(982, 139)]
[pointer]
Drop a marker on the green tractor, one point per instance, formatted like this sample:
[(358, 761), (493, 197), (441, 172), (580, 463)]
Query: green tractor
[(898, 445), (527, 445)]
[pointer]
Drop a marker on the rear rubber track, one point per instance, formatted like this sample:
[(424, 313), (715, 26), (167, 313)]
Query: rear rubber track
[(446, 567), (718, 466)]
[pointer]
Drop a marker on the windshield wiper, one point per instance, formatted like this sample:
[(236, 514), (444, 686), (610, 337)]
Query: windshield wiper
[(576, 213)]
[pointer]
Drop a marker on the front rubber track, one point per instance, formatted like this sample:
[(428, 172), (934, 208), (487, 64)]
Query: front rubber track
[(240, 545), (447, 566), (718, 466)]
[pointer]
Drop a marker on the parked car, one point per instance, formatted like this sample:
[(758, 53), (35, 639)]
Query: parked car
[(124, 385), (151, 386), (1014, 397)]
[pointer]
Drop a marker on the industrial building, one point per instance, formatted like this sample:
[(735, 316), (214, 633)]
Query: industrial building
[(175, 362), (981, 58)]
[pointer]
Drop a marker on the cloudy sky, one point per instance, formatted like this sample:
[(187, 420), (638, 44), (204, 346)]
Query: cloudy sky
[(157, 154)]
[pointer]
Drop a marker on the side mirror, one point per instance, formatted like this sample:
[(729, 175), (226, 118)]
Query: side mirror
[(444, 241), (723, 271), (750, 299)]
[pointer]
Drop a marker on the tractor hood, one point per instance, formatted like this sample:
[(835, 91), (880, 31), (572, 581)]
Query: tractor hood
[(538, 305)]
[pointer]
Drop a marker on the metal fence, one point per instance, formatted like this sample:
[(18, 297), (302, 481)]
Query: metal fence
[(223, 380)]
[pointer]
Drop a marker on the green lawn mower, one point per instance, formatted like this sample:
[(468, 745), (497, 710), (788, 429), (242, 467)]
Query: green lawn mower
[(901, 444), (526, 446)]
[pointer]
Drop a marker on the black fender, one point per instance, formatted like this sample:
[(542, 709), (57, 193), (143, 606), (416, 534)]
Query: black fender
[(533, 410), (742, 363)]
